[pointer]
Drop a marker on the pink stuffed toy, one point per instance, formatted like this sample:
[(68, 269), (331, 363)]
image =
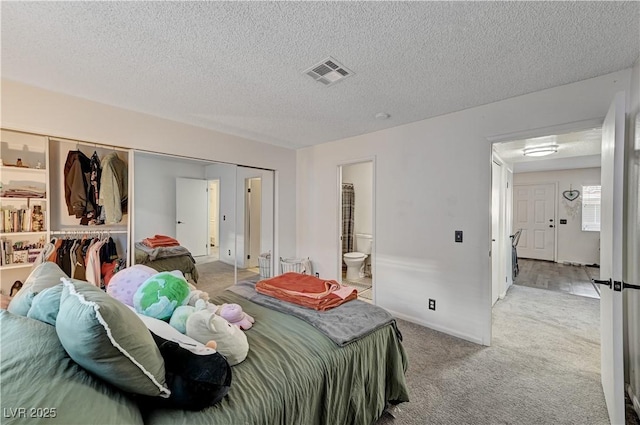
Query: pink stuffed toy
[(233, 314)]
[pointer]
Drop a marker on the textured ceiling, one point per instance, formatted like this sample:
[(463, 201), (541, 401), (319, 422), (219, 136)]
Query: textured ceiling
[(237, 67)]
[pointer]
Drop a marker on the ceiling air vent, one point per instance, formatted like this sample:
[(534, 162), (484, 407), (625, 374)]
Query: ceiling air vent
[(328, 72)]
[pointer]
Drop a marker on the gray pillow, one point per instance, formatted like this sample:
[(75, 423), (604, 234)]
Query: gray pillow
[(108, 339), (43, 276), (46, 304)]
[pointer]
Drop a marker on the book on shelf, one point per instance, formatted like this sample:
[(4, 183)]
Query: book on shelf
[(16, 220)]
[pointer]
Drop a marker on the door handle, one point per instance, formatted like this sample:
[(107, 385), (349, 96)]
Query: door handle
[(626, 285), (602, 282), (179, 222)]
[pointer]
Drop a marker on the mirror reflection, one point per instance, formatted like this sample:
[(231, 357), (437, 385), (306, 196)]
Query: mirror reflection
[(209, 220)]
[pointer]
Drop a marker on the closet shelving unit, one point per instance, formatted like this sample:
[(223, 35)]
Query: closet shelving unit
[(24, 164)]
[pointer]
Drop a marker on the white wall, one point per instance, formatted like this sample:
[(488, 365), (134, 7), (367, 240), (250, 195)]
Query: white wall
[(632, 264), (32, 109), (433, 177), (361, 175), (573, 244)]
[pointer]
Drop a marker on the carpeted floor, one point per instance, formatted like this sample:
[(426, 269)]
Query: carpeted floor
[(216, 276), (543, 366)]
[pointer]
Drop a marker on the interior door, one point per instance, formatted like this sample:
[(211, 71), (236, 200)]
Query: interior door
[(192, 215), (534, 212), (496, 172), (611, 233)]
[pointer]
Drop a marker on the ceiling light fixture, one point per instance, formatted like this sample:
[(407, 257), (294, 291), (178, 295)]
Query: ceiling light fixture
[(540, 150)]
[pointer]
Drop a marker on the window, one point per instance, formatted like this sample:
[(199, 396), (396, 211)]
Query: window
[(591, 208)]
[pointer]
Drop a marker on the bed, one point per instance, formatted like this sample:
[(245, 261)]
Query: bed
[(293, 374), (296, 375), (166, 259)]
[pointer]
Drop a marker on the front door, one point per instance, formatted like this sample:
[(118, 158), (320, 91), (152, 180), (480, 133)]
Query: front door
[(611, 233), (192, 215), (534, 212)]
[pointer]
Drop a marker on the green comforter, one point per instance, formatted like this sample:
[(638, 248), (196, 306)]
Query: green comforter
[(42, 385), (296, 375)]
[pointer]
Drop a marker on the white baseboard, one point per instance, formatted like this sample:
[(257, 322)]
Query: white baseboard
[(442, 329), (634, 400)]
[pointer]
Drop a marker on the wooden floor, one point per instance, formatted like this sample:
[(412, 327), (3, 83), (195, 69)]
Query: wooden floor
[(558, 277)]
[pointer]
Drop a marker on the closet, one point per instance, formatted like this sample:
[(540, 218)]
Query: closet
[(52, 200), (90, 186)]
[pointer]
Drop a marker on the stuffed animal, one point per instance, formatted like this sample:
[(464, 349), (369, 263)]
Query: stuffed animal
[(196, 295), (204, 325), (124, 284), (159, 295), (234, 315), (179, 317)]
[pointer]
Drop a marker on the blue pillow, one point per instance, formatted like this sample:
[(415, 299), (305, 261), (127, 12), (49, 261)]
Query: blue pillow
[(46, 305)]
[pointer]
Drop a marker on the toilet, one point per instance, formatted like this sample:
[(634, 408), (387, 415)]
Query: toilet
[(355, 260)]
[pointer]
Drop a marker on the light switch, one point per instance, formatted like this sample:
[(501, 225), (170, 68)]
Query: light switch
[(458, 236)]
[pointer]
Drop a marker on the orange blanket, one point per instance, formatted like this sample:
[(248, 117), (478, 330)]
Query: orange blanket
[(160, 240), (307, 291)]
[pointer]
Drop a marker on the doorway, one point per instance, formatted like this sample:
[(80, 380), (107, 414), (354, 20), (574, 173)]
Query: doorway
[(356, 262), (214, 225), (253, 221), (586, 154)]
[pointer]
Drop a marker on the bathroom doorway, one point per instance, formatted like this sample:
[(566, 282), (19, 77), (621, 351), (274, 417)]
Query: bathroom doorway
[(356, 227)]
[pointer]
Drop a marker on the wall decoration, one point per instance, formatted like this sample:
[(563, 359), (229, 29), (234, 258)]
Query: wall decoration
[(570, 195)]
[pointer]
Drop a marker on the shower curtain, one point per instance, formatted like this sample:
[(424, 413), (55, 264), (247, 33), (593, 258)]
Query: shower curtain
[(348, 205)]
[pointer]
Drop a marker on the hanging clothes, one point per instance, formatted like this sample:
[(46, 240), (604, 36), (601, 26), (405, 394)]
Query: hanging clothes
[(93, 192), (77, 170), (113, 188), (94, 268)]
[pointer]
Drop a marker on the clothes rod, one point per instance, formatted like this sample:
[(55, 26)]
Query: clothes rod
[(88, 144), (82, 231)]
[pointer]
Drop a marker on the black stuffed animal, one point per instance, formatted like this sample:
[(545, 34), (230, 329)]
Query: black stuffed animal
[(196, 381)]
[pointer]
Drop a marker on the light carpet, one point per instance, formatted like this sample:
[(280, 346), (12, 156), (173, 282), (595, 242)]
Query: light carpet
[(543, 366)]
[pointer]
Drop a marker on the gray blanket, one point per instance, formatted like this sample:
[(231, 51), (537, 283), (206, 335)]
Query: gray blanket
[(343, 324), (153, 254)]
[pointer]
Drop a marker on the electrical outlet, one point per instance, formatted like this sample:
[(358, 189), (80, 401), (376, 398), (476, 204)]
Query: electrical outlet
[(458, 237), (432, 304), (229, 252), (317, 274)]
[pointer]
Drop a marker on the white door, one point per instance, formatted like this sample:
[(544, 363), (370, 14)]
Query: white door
[(192, 215), (611, 232), (534, 212), (496, 172)]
